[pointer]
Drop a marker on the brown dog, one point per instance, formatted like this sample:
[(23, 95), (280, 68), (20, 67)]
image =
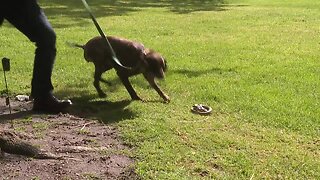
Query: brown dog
[(131, 54)]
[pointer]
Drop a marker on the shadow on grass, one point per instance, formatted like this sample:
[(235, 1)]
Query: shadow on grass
[(75, 10), (197, 73), (87, 105), (84, 106), (19, 110)]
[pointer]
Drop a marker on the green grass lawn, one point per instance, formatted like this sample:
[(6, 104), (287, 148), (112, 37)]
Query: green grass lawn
[(255, 62)]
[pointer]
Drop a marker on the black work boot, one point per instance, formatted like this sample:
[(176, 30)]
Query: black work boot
[(50, 104)]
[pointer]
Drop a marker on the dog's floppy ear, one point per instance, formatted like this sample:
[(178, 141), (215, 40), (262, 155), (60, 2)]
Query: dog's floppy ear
[(156, 63), (165, 66)]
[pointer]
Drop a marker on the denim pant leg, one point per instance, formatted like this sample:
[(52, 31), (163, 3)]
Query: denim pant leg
[(28, 18)]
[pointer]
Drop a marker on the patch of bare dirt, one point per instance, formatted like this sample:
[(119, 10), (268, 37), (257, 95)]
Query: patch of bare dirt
[(93, 150)]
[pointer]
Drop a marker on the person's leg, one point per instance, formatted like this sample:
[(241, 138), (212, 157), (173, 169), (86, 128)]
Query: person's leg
[(1, 19), (1, 15), (28, 18)]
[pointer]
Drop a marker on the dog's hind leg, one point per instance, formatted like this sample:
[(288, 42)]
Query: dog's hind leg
[(96, 82), (105, 81), (154, 85)]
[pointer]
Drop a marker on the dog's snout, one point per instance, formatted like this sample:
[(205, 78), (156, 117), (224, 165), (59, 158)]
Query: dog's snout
[(160, 74)]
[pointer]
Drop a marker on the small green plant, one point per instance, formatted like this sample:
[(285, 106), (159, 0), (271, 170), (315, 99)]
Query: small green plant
[(40, 126), (19, 128), (90, 176), (84, 131), (35, 178), (26, 120)]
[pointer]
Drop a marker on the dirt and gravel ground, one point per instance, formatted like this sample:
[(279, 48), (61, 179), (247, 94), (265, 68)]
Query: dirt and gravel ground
[(92, 150)]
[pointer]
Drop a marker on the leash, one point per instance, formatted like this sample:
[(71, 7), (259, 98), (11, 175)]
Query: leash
[(113, 54)]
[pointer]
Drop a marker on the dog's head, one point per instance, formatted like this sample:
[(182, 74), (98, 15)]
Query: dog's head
[(157, 64)]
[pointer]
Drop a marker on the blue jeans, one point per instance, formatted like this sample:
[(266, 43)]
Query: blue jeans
[(28, 18)]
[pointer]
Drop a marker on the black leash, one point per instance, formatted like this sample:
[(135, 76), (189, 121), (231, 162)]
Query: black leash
[(113, 54)]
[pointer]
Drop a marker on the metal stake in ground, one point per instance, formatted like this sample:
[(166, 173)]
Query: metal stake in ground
[(6, 67), (113, 54)]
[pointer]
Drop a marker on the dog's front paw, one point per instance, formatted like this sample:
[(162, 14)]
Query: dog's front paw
[(166, 98)]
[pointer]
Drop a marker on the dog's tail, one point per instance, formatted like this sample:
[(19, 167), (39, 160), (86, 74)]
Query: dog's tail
[(74, 45)]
